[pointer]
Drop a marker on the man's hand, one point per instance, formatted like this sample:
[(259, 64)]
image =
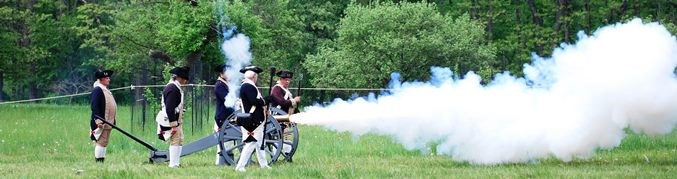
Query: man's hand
[(268, 99), (99, 123), (295, 101), (238, 102), (174, 130)]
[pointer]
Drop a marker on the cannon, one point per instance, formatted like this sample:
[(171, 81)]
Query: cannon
[(229, 139), (290, 132), (280, 133)]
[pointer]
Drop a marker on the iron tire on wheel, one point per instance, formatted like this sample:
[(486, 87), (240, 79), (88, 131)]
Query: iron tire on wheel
[(293, 131), (231, 133)]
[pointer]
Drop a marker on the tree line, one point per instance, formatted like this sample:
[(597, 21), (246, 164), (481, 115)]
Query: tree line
[(50, 48)]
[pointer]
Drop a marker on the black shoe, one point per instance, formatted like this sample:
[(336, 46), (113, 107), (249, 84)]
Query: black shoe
[(100, 160), (287, 157)]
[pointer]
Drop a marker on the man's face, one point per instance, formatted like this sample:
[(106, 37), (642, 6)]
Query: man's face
[(181, 80), (223, 75), (285, 82), (105, 81), (255, 78)]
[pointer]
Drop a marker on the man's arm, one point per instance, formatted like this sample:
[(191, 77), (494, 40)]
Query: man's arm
[(172, 99), (98, 103), (221, 91), (278, 96), (251, 94)]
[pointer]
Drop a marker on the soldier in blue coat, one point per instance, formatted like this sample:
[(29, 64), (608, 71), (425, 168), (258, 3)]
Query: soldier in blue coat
[(252, 128), (103, 108), (221, 90), (170, 117)]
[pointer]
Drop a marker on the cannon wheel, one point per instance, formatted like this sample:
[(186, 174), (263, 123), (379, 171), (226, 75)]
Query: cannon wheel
[(230, 140), (291, 131)]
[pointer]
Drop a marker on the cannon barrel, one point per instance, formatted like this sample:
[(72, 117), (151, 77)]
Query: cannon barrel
[(282, 118)]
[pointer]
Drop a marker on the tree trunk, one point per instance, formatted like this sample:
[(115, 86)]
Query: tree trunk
[(490, 19), (611, 13), (2, 85), (511, 55), (534, 13), (71, 5), (473, 10), (558, 16), (635, 8), (536, 19), (156, 54), (26, 43), (560, 22), (33, 86), (141, 79), (656, 17), (193, 59), (624, 8), (588, 15), (32, 91)]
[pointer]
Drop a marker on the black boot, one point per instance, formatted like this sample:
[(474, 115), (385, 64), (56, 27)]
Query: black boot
[(231, 155), (99, 160), (287, 156)]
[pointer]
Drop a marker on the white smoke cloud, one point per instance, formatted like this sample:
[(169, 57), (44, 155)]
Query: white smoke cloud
[(566, 106), (237, 52), (235, 47)]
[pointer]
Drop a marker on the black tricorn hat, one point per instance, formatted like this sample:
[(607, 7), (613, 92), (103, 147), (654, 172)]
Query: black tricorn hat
[(221, 68), (180, 72), (253, 68), (103, 73), (284, 74)]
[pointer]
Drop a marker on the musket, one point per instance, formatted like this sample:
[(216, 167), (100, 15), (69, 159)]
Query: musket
[(298, 93), (267, 111)]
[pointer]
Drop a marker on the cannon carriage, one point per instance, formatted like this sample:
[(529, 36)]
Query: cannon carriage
[(279, 133), (229, 140), (281, 137)]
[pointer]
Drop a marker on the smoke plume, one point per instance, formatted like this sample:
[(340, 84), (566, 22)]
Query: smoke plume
[(235, 47), (580, 99), (237, 52)]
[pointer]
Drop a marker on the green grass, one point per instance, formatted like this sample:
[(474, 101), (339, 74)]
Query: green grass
[(40, 141)]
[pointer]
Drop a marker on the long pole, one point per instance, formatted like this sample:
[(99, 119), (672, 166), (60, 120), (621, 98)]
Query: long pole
[(131, 108), (127, 134), (270, 83), (192, 110), (270, 92)]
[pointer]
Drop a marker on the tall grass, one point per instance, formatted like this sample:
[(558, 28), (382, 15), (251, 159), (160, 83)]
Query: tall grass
[(39, 141)]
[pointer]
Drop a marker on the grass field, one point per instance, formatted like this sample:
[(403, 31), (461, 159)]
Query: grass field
[(40, 141)]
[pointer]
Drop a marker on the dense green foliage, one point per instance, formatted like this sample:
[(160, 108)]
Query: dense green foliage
[(408, 38), (38, 141), (51, 48)]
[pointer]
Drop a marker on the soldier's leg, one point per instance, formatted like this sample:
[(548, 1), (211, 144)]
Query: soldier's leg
[(287, 136), (219, 159), (260, 154), (101, 144), (176, 142), (247, 150)]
